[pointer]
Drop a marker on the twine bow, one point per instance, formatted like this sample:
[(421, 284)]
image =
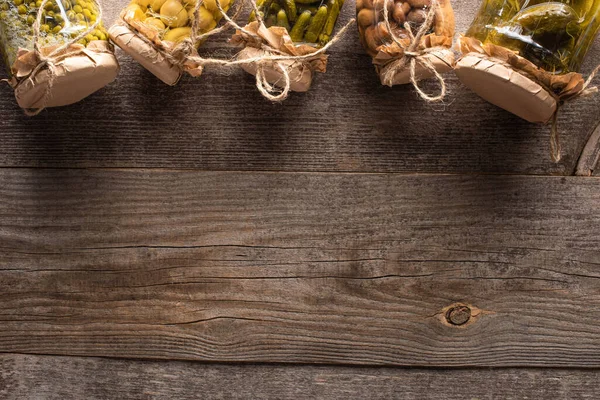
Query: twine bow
[(49, 61), (412, 55), (276, 58)]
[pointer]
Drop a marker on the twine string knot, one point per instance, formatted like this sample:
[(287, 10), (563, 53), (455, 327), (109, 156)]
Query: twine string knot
[(412, 55)]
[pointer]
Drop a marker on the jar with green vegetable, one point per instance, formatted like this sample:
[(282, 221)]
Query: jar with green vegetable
[(296, 31), (71, 59), (525, 55), (307, 21)]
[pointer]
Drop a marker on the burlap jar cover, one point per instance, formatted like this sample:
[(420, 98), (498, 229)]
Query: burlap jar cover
[(59, 75), (506, 79), (402, 55)]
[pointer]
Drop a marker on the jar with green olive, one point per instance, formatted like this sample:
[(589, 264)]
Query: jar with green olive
[(72, 24)]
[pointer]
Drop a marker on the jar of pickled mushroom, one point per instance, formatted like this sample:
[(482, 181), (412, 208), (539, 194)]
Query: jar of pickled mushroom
[(151, 30), (292, 29), (73, 57), (433, 19), (524, 55)]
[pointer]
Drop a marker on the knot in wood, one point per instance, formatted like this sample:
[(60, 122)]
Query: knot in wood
[(458, 315)]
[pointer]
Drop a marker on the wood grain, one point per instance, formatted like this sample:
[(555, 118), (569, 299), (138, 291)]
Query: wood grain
[(310, 268), (589, 155), (347, 122), (42, 377)]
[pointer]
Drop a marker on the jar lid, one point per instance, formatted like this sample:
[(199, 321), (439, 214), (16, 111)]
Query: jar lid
[(75, 77), (442, 60), (506, 88), (145, 54)]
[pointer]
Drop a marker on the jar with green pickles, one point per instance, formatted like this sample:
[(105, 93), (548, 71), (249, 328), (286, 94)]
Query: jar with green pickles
[(553, 35), (307, 21), (78, 59), (297, 32)]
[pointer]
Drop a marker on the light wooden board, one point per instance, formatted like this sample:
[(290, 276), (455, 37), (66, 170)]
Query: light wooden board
[(347, 122), (26, 377), (279, 267)]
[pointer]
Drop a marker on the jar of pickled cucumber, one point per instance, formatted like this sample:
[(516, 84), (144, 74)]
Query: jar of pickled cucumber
[(292, 28), (306, 21), (150, 31), (524, 55), (85, 65), (378, 43)]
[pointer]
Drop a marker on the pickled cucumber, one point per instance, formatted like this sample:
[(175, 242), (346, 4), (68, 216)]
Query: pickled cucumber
[(316, 25), (554, 35), (297, 32), (282, 19), (311, 22), (290, 9), (334, 12)]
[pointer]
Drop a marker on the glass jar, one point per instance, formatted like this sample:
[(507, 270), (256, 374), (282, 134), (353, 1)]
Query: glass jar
[(373, 31), (171, 20), (434, 46), (61, 21), (554, 35), (307, 21), (73, 69), (151, 30)]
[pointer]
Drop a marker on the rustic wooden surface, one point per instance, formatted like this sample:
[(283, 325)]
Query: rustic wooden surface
[(41, 377), (161, 234), (278, 267), (347, 122)]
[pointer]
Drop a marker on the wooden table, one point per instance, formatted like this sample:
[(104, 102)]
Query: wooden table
[(199, 242)]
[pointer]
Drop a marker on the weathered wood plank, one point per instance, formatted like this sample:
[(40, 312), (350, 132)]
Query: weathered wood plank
[(48, 377), (588, 160), (347, 122), (278, 267)]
